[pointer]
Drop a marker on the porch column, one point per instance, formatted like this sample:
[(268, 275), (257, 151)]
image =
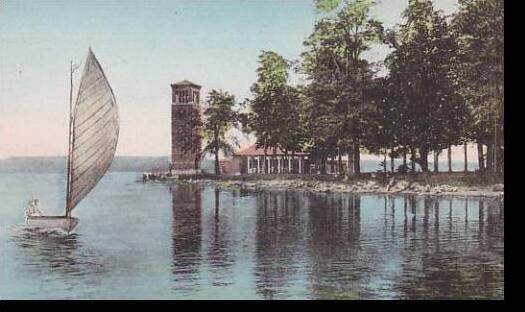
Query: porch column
[(247, 164), (289, 164), (300, 164), (279, 164), (269, 164), (258, 164)]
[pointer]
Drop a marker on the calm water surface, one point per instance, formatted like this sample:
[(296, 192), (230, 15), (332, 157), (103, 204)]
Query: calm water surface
[(155, 241)]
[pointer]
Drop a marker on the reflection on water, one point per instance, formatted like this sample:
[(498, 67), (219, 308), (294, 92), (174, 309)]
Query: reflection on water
[(322, 247), (202, 242), (279, 251), (219, 255), (51, 254), (187, 232)]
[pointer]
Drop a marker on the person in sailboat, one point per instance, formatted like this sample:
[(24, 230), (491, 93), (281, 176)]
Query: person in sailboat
[(32, 209)]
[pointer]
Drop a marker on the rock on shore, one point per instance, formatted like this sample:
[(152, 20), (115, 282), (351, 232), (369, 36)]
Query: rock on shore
[(370, 186)]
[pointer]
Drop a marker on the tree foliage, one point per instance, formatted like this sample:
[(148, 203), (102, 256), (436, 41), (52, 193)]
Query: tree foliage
[(478, 28), (425, 98), (274, 110), (444, 86), (220, 117), (339, 78)]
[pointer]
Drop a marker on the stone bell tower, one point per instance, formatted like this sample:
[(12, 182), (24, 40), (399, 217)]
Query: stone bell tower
[(185, 126)]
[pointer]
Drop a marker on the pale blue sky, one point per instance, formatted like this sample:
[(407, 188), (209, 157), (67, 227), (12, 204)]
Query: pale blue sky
[(143, 46)]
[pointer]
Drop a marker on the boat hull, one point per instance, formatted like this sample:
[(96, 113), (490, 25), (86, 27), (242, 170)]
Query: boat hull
[(66, 224)]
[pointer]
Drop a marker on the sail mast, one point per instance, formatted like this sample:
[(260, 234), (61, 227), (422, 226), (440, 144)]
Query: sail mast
[(68, 191), (94, 132)]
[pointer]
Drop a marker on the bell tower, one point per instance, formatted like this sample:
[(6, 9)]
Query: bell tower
[(185, 127)]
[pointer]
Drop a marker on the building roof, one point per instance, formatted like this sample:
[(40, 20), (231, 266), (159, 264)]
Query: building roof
[(254, 151), (185, 83)]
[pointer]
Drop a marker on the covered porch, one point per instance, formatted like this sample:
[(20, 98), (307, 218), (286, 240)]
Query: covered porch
[(252, 161)]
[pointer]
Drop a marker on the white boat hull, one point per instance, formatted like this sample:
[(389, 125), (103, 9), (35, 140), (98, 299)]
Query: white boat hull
[(66, 224)]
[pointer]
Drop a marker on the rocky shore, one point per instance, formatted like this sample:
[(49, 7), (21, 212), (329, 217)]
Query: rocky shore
[(371, 186)]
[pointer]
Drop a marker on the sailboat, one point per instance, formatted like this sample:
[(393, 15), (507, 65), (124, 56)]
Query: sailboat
[(93, 136)]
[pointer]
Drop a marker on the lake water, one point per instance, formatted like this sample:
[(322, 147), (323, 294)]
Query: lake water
[(156, 241)]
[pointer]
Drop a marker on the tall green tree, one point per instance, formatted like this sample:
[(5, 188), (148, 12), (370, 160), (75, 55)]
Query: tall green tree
[(431, 109), (479, 31), (340, 76), (220, 117), (385, 130), (273, 112)]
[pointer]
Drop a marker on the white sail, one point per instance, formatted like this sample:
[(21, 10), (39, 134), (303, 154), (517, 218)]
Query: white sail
[(95, 129)]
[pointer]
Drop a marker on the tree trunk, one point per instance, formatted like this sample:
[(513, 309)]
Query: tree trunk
[(284, 162), (339, 162), (501, 159), (501, 149), (392, 165), (436, 161), (196, 162), (332, 165), (274, 160), (217, 166), (495, 165), (490, 157), (465, 156), (216, 150), (357, 160), (481, 158), (384, 161), (265, 167), (323, 165), (423, 154), (351, 168), (292, 169), (413, 159), (449, 156), (404, 159)]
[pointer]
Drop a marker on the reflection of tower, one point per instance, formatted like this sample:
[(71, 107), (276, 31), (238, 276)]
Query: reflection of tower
[(187, 231), (185, 123)]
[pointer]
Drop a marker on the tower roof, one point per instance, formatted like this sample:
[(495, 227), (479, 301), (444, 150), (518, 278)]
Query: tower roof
[(185, 83)]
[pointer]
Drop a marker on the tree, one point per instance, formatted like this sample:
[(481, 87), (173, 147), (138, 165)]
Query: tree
[(320, 123), (339, 77), (385, 131), (219, 118), (420, 70), (273, 111), (326, 5), (479, 31)]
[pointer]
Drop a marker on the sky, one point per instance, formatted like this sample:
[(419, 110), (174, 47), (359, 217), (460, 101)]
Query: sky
[(143, 46)]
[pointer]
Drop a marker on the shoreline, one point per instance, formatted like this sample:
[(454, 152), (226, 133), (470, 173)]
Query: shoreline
[(421, 185)]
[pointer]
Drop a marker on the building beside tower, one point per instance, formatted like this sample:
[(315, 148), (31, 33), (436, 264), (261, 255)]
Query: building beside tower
[(185, 128), (186, 140)]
